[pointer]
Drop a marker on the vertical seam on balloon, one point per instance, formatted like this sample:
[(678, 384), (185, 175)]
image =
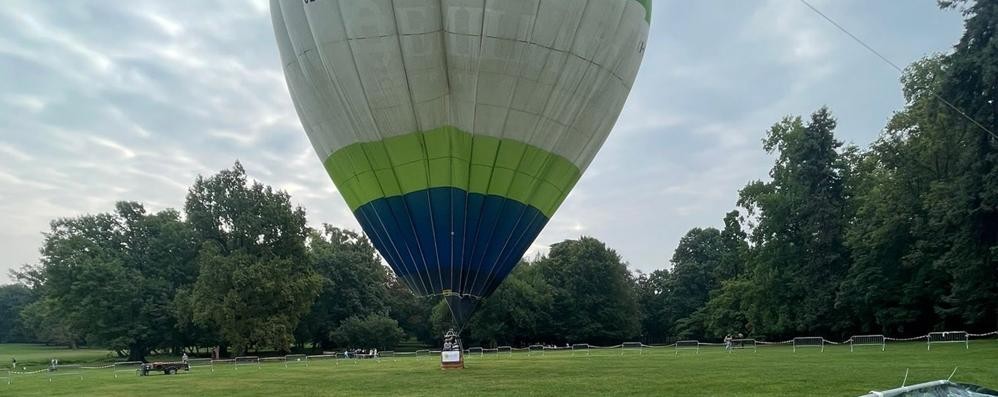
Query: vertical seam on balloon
[(363, 148), (354, 119), (348, 111), (422, 145), (377, 133), (540, 116), (328, 72), (611, 77), (333, 83), (474, 119), (549, 154), (381, 241), (564, 193), (450, 143), (518, 77), (464, 222), (495, 159), (488, 290), (537, 182)]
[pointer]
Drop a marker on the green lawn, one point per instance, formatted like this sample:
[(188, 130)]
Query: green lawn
[(38, 355), (770, 371)]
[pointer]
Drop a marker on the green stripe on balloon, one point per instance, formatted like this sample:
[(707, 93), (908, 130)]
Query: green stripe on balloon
[(449, 157), (647, 5)]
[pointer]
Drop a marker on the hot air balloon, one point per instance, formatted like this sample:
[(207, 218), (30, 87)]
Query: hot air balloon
[(455, 128)]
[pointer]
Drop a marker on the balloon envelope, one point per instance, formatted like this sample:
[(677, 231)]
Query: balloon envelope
[(455, 128)]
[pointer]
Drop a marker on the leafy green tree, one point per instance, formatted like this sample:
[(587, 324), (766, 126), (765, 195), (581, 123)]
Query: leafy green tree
[(695, 266), (891, 285), (519, 312), (593, 293), (255, 281), (799, 258), (13, 299), (926, 226), (657, 318), (964, 209), (725, 312), (111, 277), (376, 331), (734, 252), (412, 312), (45, 321), (354, 282)]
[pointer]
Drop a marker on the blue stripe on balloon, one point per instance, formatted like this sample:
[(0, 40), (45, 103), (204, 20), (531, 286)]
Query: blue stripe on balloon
[(448, 239)]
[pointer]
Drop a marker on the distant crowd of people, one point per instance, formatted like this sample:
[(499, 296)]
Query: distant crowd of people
[(729, 341), (360, 353)]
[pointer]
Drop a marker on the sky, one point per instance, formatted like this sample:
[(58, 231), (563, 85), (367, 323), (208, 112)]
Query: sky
[(104, 101)]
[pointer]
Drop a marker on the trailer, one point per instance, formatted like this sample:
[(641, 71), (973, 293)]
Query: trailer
[(167, 368)]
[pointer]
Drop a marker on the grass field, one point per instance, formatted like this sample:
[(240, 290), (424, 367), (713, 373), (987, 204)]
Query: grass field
[(38, 355), (770, 371)]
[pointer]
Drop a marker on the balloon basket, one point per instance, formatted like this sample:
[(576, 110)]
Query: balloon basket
[(453, 359)]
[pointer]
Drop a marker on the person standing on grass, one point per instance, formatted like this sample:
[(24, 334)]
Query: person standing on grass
[(184, 358), (727, 343)]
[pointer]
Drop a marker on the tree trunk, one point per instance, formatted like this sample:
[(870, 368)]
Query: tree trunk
[(136, 352)]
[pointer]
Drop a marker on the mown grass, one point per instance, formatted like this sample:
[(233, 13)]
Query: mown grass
[(770, 371), (39, 355)]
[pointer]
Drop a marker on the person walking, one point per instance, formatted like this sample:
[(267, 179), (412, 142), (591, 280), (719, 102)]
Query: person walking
[(727, 343)]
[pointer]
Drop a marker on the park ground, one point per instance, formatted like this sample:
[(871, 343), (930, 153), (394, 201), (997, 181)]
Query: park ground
[(772, 370)]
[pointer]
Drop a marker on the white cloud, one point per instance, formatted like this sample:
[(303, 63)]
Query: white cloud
[(109, 103), (115, 146), (14, 153), (29, 103)]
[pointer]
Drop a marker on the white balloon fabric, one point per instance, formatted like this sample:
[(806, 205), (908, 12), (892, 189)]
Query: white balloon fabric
[(455, 128)]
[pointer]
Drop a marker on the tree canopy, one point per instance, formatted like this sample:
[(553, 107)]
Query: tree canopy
[(899, 238)]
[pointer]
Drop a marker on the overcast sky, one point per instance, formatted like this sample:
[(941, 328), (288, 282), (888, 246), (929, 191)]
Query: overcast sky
[(102, 101)]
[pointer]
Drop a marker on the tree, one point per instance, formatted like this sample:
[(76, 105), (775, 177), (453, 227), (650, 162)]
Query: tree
[(926, 229), (673, 301), (653, 292), (255, 281), (376, 331), (13, 299), (799, 257), (695, 266), (519, 312), (111, 277), (890, 286), (412, 312), (964, 209), (354, 282), (46, 323), (593, 294)]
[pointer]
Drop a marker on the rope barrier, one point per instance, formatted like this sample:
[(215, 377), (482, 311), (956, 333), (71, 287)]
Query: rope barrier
[(102, 367), (926, 336), (28, 372), (528, 349)]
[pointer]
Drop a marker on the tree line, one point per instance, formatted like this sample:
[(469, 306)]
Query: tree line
[(899, 238)]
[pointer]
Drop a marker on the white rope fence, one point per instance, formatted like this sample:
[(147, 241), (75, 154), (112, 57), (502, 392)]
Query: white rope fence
[(505, 351)]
